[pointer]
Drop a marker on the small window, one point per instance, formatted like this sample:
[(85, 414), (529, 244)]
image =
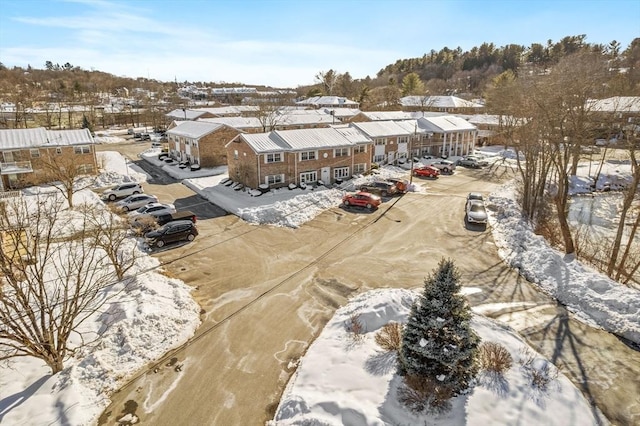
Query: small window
[(309, 155), (235, 154), (403, 139), (82, 149), (274, 179), (341, 152), (309, 176), (273, 158), (360, 168), (340, 173), (359, 148), (380, 141), (35, 153), (379, 158), (58, 150)]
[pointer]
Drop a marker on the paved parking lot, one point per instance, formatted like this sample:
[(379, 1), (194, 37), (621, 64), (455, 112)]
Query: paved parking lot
[(266, 293)]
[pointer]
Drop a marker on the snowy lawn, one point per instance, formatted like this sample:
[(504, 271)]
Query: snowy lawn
[(344, 381)]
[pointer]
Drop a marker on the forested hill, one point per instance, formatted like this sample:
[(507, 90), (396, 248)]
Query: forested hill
[(490, 59)]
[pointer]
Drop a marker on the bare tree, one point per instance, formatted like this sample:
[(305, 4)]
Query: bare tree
[(72, 177), (53, 277), (327, 80)]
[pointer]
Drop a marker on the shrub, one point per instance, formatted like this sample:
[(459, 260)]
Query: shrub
[(355, 328), (389, 337), (540, 372), (421, 394), (494, 357)]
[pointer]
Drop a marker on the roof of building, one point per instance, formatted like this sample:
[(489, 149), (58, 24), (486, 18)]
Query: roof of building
[(231, 109), (490, 119), (186, 114), (41, 137), (378, 129), (628, 104), (194, 129), (303, 139), (437, 102), (342, 112), (444, 124), (236, 122), (319, 101)]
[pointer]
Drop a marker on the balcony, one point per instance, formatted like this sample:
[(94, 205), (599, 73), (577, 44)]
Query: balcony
[(15, 167)]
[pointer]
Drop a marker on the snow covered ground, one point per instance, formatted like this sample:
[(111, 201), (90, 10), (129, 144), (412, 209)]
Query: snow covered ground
[(344, 381), (358, 384)]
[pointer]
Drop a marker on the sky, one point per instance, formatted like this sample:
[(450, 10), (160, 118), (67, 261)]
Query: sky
[(338, 380), (285, 43)]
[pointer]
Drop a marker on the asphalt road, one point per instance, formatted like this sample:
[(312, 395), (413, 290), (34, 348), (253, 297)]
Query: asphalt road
[(267, 292)]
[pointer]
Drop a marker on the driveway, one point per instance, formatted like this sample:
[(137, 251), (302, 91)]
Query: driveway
[(266, 293)]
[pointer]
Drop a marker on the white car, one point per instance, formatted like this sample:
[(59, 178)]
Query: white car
[(133, 202), (445, 166), (152, 209), (122, 190), (476, 212)]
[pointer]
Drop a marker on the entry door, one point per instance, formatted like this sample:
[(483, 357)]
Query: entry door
[(325, 174)]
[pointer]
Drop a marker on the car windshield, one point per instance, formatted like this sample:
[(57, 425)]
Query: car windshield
[(142, 209), (477, 207)]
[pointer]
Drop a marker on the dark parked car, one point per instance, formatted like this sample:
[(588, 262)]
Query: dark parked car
[(381, 188), (151, 222), (179, 230)]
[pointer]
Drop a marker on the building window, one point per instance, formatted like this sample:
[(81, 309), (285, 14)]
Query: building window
[(341, 152), (379, 158), (81, 149), (403, 139), (360, 168), (235, 154), (274, 179), (84, 169), (273, 158), (58, 150), (340, 173), (380, 141), (35, 153), (308, 177), (359, 148), (307, 155), (8, 156)]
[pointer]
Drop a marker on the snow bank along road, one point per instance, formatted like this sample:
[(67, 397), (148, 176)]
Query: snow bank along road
[(267, 292)]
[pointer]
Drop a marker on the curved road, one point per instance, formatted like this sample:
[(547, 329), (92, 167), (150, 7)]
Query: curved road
[(266, 293)]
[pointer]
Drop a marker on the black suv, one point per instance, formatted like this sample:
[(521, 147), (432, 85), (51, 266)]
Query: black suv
[(379, 187), (179, 230)]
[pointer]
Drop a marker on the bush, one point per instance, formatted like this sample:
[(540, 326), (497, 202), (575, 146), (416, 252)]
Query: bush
[(494, 357), (421, 394), (355, 328), (389, 337)]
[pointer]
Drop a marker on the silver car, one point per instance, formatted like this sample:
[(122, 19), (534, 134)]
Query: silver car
[(476, 212), (133, 202)]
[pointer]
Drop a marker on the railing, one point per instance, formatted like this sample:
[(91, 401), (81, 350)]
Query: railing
[(10, 194), (16, 167)]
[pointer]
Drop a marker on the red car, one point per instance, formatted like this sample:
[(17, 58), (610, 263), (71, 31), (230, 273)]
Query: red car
[(362, 199), (426, 171)]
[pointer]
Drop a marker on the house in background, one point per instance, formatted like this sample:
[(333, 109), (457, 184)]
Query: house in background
[(283, 157), (186, 114), (448, 104), (328, 102), (26, 155), (393, 115), (200, 143), (390, 139)]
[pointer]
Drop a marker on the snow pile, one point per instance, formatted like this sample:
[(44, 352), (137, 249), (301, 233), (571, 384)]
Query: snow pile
[(593, 297), (341, 381)]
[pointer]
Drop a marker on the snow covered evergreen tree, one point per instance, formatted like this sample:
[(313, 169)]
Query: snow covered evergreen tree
[(438, 344)]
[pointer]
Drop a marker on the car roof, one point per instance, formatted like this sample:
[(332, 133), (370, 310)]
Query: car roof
[(180, 222), (475, 195)]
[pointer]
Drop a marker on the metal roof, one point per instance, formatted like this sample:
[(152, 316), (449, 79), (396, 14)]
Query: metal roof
[(377, 129), (438, 102), (41, 137), (186, 114), (194, 129), (628, 104), (236, 122), (303, 139), (327, 100), (444, 124)]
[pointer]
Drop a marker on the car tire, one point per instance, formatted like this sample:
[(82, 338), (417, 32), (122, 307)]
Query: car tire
[(125, 209), (384, 193), (446, 170), (136, 192), (112, 197), (159, 243), (346, 202), (369, 206), (191, 237)]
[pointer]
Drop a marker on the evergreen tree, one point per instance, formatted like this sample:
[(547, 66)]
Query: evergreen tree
[(438, 343)]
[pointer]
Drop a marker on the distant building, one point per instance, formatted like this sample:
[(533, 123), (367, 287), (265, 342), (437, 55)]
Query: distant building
[(328, 102), (448, 104), (200, 143)]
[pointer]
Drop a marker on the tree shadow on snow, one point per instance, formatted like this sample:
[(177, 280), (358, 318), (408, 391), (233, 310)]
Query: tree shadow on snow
[(381, 363)]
